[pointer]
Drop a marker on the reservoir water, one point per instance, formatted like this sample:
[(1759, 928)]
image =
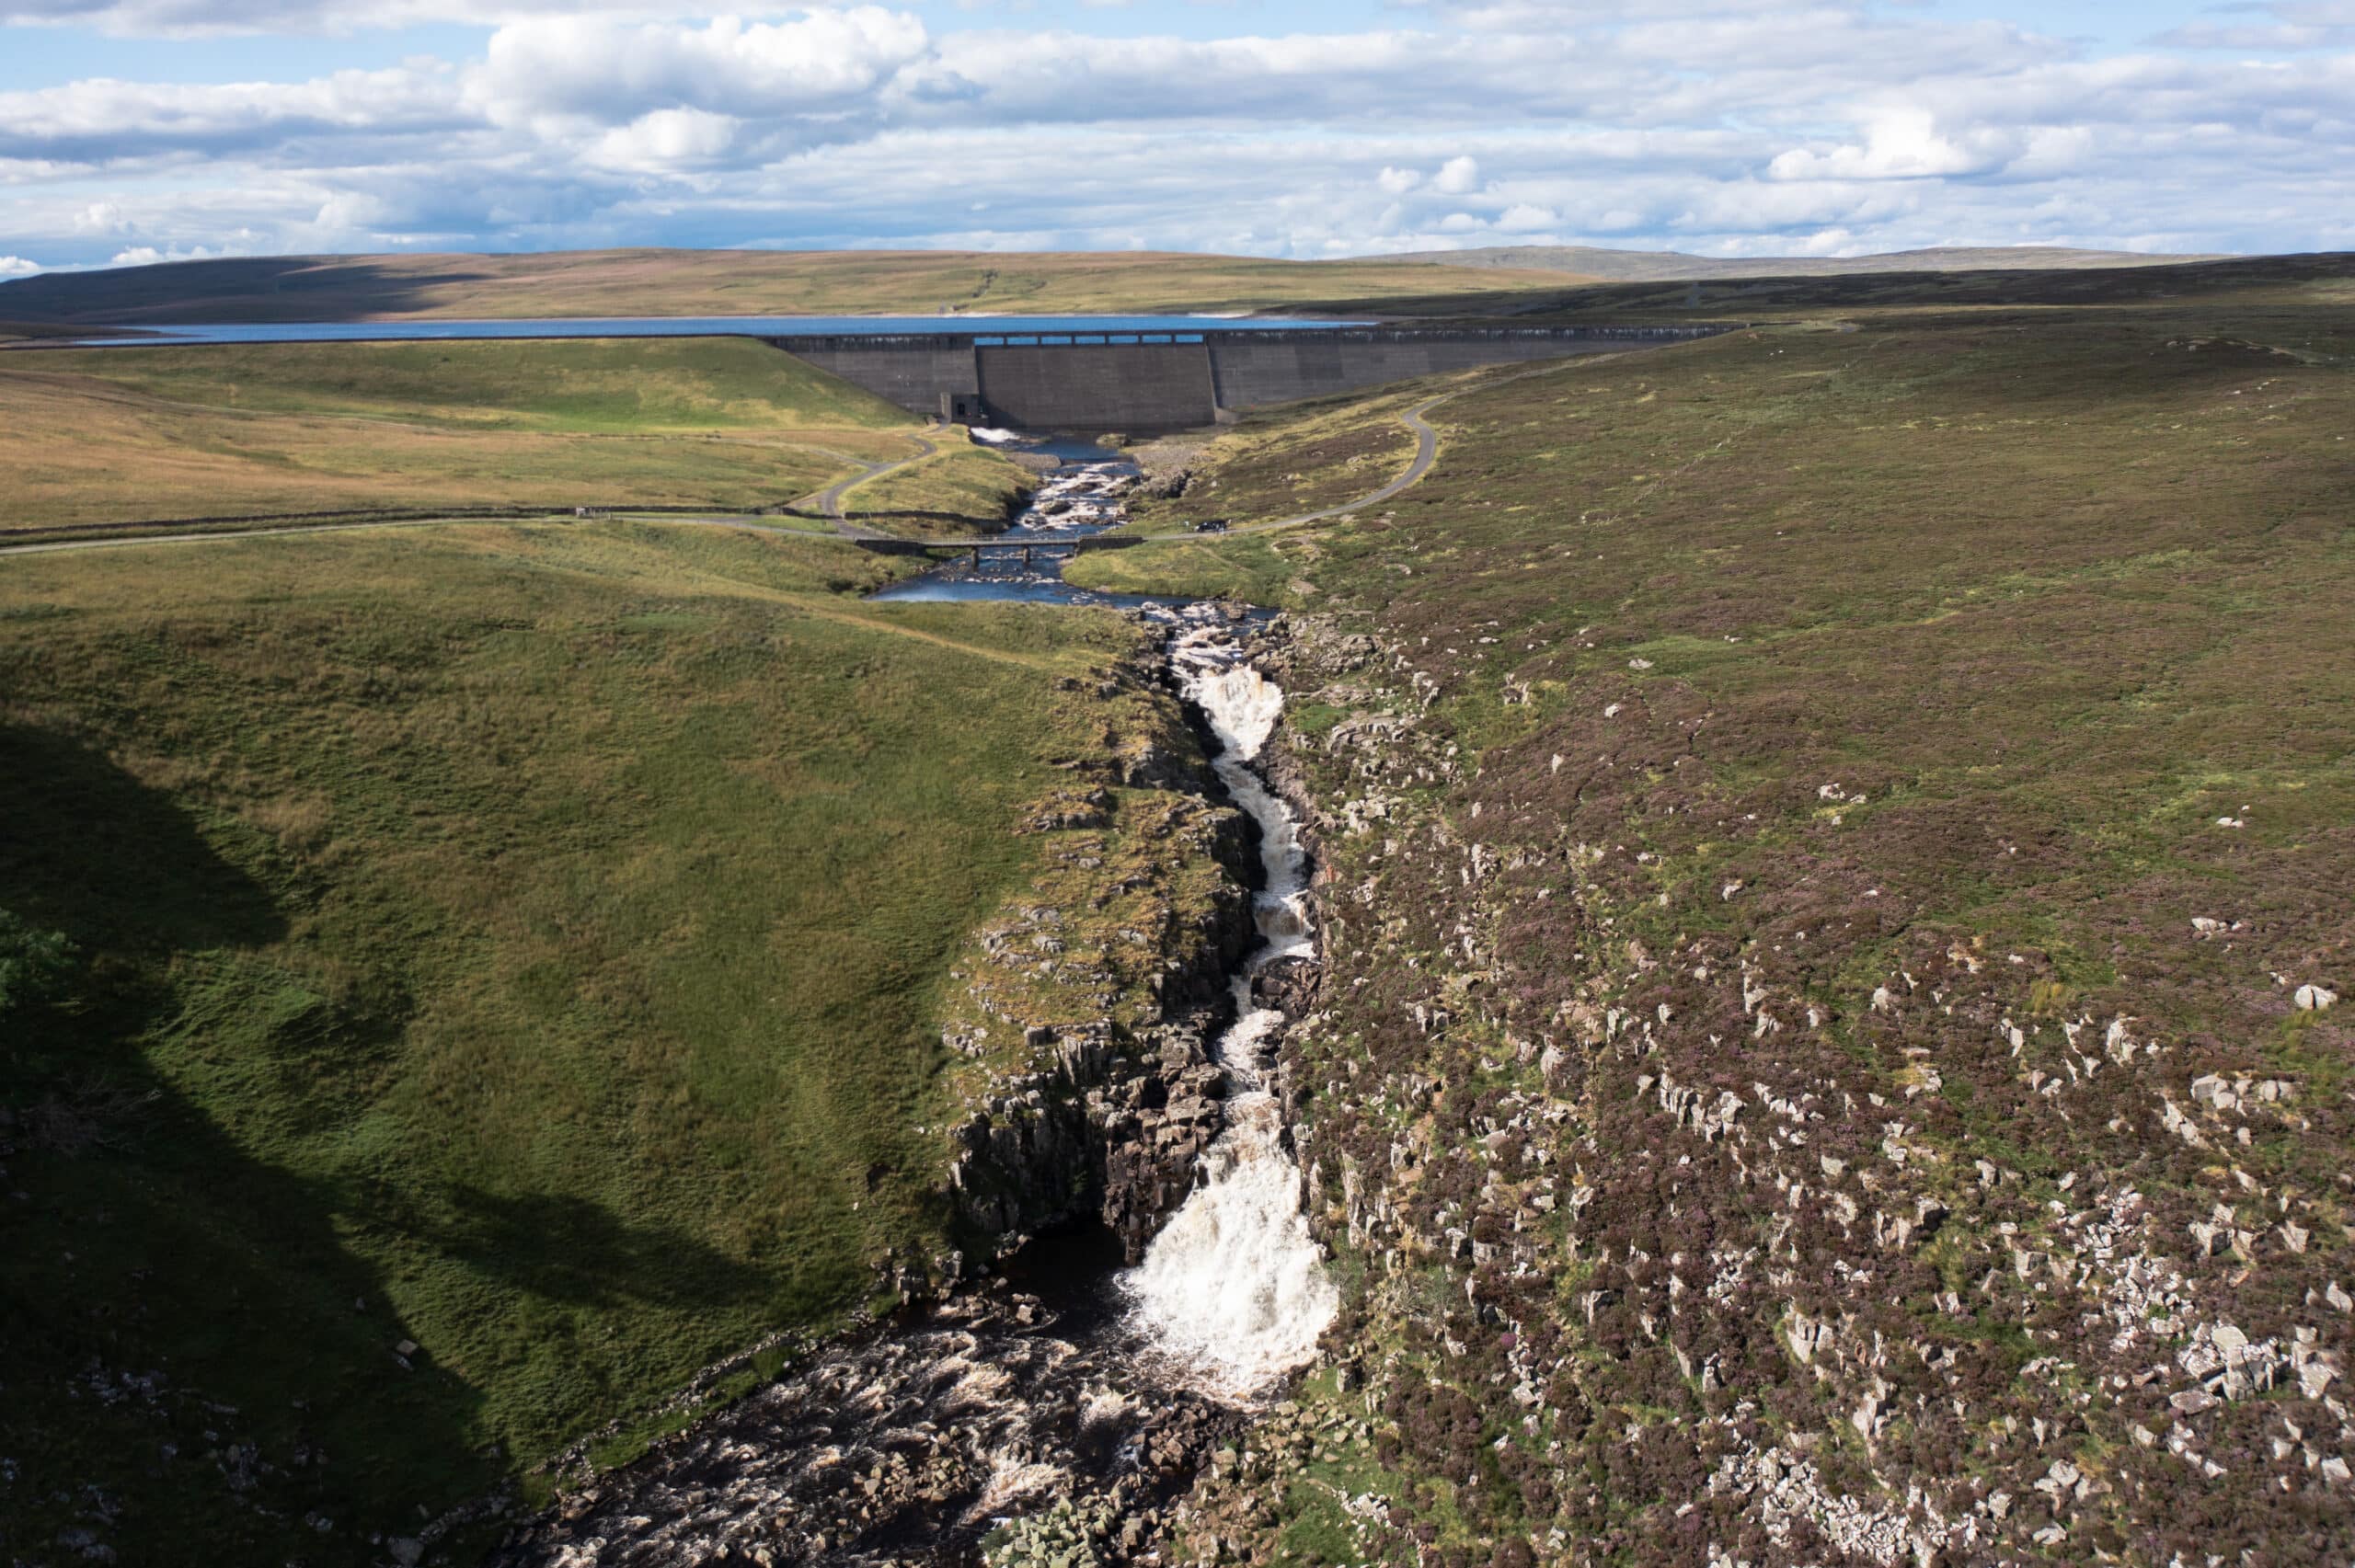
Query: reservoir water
[(987, 327)]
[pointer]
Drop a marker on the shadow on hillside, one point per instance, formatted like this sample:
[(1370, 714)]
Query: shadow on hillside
[(117, 866), (168, 1291), (569, 1249), (287, 288)]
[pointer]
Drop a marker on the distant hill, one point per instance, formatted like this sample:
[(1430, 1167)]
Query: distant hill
[(1670, 266), (726, 283)]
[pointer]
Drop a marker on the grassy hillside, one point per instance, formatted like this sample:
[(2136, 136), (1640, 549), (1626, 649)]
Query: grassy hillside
[(719, 282), (521, 944), (110, 435), (594, 385), (962, 491), (1825, 833), (2311, 286), (1606, 265)]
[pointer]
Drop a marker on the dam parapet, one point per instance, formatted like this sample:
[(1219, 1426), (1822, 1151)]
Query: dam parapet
[(1146, 383)]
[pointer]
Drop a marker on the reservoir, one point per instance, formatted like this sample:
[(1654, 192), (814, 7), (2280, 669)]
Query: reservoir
[(696, 327)]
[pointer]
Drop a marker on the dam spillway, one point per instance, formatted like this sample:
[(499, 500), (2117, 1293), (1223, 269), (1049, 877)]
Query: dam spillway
[(1146, 382)]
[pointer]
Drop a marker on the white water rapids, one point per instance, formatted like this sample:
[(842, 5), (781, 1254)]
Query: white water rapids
[(1234, 1286)]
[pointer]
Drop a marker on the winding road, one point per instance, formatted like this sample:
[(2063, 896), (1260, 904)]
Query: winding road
[(830, 500), (1426, 453)]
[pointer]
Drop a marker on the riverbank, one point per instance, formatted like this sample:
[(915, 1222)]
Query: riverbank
[(1059, 1406)]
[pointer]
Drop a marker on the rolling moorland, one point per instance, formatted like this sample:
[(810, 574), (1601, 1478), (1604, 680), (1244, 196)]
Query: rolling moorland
[(717, 282), (1835, 842), (1824, 838), (106, 436), (1606, 266)]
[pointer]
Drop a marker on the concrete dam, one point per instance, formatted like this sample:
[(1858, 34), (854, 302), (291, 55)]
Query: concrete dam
[(1148, 382)]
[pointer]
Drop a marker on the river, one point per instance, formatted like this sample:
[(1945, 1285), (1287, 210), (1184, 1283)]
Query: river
[(1063, 1394)]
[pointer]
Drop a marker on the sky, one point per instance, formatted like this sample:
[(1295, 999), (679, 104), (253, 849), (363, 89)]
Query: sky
[(137, 131)]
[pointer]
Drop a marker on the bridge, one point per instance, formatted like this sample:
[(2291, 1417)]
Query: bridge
[(979, 548), (1147, 383)]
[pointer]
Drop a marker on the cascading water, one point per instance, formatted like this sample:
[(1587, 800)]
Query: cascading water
[(908, 1443), (1234, 1286)]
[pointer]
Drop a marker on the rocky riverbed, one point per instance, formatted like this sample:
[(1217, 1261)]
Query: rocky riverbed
[(1053, 1409)]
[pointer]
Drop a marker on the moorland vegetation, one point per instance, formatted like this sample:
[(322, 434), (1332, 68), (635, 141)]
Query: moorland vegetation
[(1835, 842)]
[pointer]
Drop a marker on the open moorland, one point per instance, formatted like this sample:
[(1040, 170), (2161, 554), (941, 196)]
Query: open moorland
[(454, 984), (114, 435), (1832, 845), (725, 282), (1835, 845)]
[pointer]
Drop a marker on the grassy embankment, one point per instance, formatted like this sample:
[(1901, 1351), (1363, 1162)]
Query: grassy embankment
[(726, 283), (1912, 690), (961, 490), (527, 941), (111, 435)]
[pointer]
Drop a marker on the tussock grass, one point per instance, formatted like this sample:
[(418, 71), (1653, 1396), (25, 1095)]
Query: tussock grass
[(1970, 658)]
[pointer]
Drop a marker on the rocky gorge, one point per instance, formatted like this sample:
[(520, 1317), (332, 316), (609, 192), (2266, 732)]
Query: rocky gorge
[(1140, 1273)]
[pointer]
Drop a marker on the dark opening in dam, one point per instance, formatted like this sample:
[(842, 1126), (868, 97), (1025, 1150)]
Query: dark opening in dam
[(1143, 382)]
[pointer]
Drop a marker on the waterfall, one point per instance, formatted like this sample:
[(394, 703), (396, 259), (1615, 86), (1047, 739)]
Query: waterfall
[(1235, 1286)]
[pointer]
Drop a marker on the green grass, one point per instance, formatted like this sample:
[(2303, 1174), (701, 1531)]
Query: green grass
[(139, 434), (528, 942), (1257, 569), (965, 487), (592, 385)]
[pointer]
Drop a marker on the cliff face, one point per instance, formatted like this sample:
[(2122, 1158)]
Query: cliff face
[(1087, 1004)]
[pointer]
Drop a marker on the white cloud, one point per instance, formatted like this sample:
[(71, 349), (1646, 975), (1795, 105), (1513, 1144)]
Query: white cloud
[(1735, 127), (1457, 176), (668, 138), (607, 73), (1899, 144), (17, 267)]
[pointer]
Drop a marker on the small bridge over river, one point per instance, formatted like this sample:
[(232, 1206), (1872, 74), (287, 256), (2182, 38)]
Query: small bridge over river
[(1006, 549)]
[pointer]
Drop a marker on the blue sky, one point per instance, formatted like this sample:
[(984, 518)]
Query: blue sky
[(142, 130)]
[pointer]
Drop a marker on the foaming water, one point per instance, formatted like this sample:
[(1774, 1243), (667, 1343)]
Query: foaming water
[(1234, 1286)]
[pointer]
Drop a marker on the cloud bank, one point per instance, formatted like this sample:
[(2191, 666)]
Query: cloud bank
[(1724, 126)]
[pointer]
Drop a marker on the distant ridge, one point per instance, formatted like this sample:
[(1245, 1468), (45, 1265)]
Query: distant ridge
[(1673, 267)]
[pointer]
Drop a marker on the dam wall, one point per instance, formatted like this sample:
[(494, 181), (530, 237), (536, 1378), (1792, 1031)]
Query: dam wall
[(1085, 386), (924, 375), (1147, 383)]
